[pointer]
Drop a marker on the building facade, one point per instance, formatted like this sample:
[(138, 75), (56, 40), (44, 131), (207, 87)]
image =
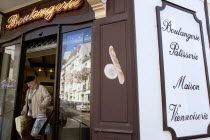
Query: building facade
[(77, 64), (116, 69)]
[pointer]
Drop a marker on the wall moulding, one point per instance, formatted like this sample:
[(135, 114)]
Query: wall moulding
[(1, 16), (99, 8)]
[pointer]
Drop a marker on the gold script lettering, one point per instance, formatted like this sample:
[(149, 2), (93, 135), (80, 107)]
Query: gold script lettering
[(77, 3), (50, 13), (58, 8), (12, 21), (47, 13), (42, 12)]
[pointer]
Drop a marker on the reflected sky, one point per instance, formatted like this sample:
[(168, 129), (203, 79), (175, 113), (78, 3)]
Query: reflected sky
[(73, 39)]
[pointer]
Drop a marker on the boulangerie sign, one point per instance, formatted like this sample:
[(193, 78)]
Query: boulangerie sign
[(184, 74), (46, 13)]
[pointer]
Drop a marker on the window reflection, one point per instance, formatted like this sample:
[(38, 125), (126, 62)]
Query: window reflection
[(75, 80), (8, 85), (8, 77)]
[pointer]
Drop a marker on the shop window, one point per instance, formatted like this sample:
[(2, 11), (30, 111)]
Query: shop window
[(74, 78), (8, 88)]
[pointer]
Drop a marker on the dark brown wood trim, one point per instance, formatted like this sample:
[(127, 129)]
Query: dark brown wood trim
[(40, 32), (205, 64), (165, 126), (178, 7), (112, 19), (19, 87), (136, 116), (57, 84), (105, 127), (12, 42), (113, 131), (207, 19), (1, 57), (158, 9), (69, 28)]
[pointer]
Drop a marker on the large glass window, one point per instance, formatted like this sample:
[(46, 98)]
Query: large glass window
[(75, 81), (8, 88)]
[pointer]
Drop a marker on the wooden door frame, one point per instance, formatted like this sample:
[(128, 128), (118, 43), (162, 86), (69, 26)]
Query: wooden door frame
[(61, 30)]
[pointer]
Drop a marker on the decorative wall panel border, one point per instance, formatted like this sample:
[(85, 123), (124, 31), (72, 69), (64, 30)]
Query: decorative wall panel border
[(184, 74)]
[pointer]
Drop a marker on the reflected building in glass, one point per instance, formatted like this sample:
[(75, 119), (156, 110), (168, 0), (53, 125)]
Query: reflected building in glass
[(76, 67)]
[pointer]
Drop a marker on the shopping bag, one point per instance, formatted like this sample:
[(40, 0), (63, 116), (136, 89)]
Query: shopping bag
[(39, 123), (20, 123)]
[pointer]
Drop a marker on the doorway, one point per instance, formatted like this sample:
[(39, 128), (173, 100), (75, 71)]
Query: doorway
[(66, 74), (74, 79), (40, 63)]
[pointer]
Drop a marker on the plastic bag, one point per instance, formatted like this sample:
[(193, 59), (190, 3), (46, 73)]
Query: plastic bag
[(39, 123), (20, 123)]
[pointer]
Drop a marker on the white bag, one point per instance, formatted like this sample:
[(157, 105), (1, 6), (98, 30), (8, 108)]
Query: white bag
[(20, 124)]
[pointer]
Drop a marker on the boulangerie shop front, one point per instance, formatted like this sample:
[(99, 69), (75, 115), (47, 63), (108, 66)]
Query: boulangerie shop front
[(116, 69), (83, 52)]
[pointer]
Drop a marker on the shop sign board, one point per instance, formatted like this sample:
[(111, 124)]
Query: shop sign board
[(184, 74), (16, 20)]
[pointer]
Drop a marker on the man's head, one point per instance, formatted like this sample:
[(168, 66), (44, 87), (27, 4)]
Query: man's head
[(30, 81)]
